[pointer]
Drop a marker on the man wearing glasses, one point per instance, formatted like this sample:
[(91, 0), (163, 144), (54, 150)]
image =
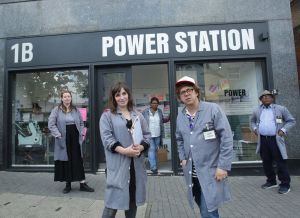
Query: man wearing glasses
[(271, 122), (205, 145)]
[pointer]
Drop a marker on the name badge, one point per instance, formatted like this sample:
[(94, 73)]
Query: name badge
[(278, 120), (209, 134)]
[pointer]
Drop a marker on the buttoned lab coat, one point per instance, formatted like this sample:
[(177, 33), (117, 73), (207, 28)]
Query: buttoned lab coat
[(288, 121), (207, 155), (112, 129), (57, 126)]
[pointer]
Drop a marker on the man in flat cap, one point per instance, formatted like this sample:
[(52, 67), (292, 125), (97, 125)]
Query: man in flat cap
[(205, 145), (271, 123)]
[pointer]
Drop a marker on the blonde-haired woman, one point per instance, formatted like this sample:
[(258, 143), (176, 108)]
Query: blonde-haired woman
[(66, 125)]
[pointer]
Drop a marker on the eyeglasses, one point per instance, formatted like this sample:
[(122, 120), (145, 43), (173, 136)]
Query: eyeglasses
[(187, 91), (154, 103)]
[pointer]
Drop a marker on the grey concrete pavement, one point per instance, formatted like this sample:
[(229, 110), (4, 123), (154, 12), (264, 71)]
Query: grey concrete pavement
[(36, 195)]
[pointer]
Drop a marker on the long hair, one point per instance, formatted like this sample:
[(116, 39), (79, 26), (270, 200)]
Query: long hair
[(62, 106), (112, 104)]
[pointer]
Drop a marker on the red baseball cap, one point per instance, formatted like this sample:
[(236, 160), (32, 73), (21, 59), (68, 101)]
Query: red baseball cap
[(185, 80)]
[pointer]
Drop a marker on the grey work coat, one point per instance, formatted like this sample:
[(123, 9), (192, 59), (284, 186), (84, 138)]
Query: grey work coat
[(146, 114), (57, 126), (288, 121), (207, 155), (113, 129)]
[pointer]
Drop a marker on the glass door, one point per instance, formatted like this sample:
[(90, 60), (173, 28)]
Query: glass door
[(106, 78), (146, 82), (151, 82)]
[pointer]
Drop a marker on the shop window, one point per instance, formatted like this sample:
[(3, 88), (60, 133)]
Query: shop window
[(34, 95), (235, 87)]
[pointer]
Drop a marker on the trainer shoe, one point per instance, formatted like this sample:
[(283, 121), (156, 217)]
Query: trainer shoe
[(283, 190), (268, 185)]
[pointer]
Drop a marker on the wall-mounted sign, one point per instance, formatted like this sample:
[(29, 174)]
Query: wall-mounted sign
[(185, 42), (137, 44)]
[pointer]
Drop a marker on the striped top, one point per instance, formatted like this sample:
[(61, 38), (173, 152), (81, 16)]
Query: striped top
[(191, 119)]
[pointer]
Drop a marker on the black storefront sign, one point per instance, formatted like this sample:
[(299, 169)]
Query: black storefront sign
[(138, 44)]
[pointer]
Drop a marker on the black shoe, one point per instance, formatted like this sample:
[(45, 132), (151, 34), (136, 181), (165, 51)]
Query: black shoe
[(268, 185), (84, 187), (154, 171), (68, 188), (284, 190)]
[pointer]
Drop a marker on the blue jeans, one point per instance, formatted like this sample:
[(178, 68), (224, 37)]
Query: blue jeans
[(204, 212), (199, 199), (154, 143)]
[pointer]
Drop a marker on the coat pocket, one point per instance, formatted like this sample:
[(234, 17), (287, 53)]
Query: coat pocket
[(60, 142), (116, 179)]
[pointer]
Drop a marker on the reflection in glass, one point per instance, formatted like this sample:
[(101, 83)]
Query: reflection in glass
[(234, 86), (109, 79), (34, 96)]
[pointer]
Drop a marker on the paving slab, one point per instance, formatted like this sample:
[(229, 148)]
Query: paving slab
[(37, 195)]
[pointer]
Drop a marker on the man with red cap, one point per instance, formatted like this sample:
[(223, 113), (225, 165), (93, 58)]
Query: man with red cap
[(205, 145), (271, 122)]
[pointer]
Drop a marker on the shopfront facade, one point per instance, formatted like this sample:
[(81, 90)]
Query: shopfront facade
[(233, 58)]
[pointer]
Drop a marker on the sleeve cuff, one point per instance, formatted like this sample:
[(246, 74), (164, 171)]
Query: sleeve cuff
[(145, 145), (114, 146), (283, 130), (226, 168)]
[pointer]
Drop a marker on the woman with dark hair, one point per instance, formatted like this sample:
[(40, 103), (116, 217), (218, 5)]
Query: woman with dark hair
[(155, 119), (125, 136), (66, 125)]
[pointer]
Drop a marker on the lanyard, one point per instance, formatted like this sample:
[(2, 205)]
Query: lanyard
[(191, 121)]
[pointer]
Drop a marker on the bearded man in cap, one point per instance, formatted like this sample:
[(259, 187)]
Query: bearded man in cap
[(271, 122), (205, 144)]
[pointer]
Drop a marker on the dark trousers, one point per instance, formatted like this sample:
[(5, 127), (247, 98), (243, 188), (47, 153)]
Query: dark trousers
[(131, 213), (270, 153), (111, 213)]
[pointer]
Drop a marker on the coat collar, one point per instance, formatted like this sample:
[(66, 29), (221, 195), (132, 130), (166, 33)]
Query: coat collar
[(271, 106), (200, 108), (133, 113)]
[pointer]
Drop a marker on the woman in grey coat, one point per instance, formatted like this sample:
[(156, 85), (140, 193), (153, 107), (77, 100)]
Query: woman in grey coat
[(155, 119), (66, 125), (125, 136)]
